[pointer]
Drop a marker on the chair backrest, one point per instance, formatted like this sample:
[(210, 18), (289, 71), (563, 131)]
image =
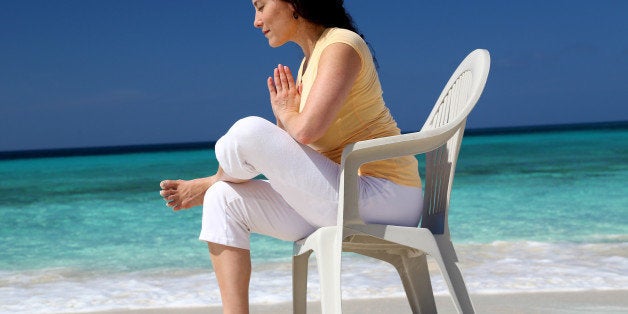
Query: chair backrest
[(451, 110)]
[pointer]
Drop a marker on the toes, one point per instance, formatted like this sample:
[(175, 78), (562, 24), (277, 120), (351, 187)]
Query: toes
[(165, 194), (169, 198), (168, 184), (172, 196), (176, 207), (171, 203)]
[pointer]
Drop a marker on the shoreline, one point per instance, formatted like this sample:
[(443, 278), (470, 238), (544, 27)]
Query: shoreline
[(603, 302)]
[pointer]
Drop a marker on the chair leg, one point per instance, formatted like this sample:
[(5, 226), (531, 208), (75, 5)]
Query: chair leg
[(446, 259), (328, 262), (299, 283), (415, 277), (457, 287)]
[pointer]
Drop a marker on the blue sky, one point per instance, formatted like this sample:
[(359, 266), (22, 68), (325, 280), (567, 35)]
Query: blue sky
[(88, 73)]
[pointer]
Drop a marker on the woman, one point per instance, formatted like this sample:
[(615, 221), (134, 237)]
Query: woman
[(335, 100)]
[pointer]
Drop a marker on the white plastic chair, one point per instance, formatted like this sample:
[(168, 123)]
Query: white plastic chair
[(403, 247)]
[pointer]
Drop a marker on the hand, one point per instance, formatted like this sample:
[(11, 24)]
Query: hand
[(285, 96)]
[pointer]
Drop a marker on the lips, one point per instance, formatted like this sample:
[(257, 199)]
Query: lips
[(266, 32)]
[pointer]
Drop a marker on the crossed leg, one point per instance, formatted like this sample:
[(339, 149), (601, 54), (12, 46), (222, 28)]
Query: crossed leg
[(300, 195)]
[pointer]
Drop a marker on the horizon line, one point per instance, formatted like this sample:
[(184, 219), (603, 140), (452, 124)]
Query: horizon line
[(155, 147)]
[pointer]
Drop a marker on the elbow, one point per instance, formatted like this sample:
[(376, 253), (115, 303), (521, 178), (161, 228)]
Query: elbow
[(305, 133)]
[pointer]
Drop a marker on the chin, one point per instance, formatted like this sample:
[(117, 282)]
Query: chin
[(275, 44)]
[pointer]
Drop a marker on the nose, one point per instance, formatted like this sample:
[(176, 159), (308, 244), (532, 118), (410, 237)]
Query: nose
[(257, 22)]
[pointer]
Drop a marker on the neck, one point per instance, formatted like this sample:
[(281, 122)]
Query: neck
[(307, 37)]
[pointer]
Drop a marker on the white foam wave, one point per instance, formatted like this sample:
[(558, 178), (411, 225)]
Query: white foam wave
[(499, 267)]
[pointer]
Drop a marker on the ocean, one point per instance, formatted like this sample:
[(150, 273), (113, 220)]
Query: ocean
[(531, 211)]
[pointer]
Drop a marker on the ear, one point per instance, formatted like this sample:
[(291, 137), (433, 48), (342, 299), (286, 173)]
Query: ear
[(292, 6)]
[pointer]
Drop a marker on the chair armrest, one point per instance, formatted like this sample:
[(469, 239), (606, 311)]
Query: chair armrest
[(356, 154)]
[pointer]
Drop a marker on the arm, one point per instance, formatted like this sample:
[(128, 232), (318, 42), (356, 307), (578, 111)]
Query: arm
[(338, 69)]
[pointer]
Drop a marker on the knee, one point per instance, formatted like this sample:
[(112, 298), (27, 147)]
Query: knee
[(217, 195), (223, 199), (222, 220), (250, 128), (218, 201), (246, 136)]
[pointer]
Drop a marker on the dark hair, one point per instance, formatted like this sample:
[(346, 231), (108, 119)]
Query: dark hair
[(328, 13)]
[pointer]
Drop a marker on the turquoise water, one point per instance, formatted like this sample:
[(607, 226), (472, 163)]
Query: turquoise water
[(560, 186), (530, 212)]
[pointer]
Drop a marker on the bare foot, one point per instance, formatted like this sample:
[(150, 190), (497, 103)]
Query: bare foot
[(182, 194)]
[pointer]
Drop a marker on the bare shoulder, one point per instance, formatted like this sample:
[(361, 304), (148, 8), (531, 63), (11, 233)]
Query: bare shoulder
[(340, 55)]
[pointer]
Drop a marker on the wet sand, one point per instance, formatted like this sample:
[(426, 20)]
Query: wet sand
[(615, 301)]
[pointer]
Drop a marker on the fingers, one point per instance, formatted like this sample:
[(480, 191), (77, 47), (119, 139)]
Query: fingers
[(285, 84), (285, 75), (271, 86), (288, 77), (284, 93), (278, 82), (281, 81)]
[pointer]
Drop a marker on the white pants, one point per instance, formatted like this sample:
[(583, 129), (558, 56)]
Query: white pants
[(299, 195)]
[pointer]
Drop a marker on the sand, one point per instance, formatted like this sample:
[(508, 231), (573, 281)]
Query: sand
[(615, 301)]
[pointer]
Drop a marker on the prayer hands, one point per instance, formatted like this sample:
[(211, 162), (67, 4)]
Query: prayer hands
[(285, 95)]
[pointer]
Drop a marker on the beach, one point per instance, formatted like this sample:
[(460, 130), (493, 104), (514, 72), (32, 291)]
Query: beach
[(538, 228), (602, 302)]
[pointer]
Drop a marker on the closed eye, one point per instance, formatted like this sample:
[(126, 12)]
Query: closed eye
[(259, 7)]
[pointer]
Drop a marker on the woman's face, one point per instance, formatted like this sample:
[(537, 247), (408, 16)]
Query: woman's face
[(275, 19)]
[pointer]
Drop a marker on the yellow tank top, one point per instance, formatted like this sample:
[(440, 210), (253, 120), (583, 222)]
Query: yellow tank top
[(364, 114)]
